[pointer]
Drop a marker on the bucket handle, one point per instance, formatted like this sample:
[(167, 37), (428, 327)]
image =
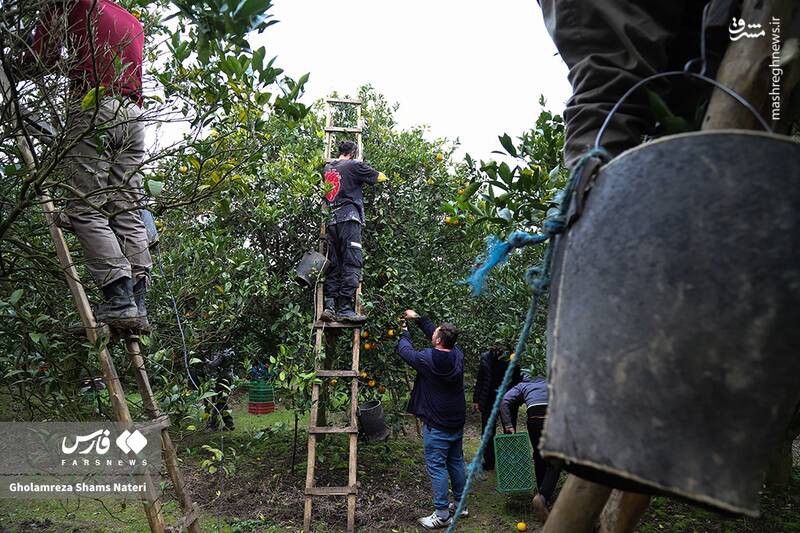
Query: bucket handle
[(727, 90), (686, 72)]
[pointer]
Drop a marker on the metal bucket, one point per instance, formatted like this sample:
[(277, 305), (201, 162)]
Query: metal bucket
[(311, 266), (674, 322), (371, 422)]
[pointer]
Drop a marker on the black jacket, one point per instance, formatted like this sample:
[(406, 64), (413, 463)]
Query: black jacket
[(491, 369)]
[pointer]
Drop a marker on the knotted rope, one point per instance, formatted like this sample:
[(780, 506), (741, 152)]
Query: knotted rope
[(538, 279)]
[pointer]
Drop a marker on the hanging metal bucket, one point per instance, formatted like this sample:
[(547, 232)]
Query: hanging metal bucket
[(311, 267), (674, 322), (371, 422)]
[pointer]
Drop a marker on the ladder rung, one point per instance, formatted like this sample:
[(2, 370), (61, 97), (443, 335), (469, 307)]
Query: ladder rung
[(330, 491), (325, 429), (343, 101), (337, 129), (337, 374), (162, 422), (321, 324)]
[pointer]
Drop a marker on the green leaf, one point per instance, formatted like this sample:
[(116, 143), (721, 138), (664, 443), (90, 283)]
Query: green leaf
[(15, 296), (508, 145), (471, 189), (154, 187), (90, 100)]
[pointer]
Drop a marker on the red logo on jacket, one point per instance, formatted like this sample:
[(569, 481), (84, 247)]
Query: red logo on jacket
[(333, 177)]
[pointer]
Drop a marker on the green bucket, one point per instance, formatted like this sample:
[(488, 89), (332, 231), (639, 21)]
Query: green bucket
[(514, 463)]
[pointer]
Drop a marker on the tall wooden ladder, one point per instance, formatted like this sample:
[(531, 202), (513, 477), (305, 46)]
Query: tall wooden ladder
[(325, 334), (151, 500)]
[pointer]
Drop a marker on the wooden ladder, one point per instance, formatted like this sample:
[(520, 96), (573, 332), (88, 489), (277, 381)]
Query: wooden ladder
[(151, 500), (325, 334)]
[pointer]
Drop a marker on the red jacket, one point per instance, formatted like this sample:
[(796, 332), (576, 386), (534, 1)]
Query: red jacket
[(115, 33)]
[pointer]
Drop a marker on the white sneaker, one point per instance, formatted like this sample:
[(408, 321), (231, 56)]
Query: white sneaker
[(434, 522), (454, 506)]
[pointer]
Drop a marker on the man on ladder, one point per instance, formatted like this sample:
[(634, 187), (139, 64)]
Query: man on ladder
[(345, 177), (107, 148)]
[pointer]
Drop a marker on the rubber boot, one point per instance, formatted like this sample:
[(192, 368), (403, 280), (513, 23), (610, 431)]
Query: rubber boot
[(329, 310), (347, 313), (139, 292), (119, 309)]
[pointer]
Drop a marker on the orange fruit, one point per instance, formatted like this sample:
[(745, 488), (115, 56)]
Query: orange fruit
[(522, 526), (440, 157), (390, 333), (371, 383), (363, 374), (381, 389), (333, 381), (365, 334)]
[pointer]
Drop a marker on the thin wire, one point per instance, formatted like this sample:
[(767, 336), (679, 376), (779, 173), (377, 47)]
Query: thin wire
[(730, 92)]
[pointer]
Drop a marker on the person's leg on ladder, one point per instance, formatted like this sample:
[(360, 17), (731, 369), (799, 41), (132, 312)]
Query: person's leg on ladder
[(87, 170), (125, 220), (333, 278), (352, 262)]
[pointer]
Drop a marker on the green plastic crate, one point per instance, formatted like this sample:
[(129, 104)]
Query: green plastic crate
[(261, 391), (514, 463)]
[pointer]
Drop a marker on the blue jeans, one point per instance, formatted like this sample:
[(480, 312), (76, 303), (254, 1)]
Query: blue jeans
[(444, 456)]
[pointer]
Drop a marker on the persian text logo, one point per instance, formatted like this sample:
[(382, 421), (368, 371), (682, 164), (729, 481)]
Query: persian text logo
[(737, 30), (100, 443), (97, 441)]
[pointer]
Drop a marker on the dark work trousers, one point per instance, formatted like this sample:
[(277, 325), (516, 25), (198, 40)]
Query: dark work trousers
[(488, 452), (546, 474), (218, 405), (346, 258), (609, 45)]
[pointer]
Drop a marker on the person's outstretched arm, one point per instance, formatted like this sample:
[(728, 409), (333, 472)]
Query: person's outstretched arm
[(367, 174), (407, 352)]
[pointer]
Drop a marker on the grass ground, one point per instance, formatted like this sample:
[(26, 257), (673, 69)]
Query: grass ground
[(261, 494)]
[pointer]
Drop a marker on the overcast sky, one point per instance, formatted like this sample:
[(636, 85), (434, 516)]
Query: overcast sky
[(466, 68)]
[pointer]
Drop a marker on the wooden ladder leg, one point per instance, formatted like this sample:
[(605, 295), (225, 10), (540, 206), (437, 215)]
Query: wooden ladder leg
[(312, 458), (152, 506), (578, 507), (190, 521), (353, 460)]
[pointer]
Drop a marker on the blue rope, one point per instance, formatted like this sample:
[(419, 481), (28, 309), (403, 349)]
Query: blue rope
[(538, 279)]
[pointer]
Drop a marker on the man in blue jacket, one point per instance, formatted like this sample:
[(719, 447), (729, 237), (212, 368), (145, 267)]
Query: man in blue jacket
[(438, 399)]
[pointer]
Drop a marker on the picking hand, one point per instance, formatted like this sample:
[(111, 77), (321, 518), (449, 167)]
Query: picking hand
[(410, 314)]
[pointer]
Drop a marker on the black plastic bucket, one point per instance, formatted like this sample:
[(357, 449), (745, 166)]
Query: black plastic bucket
[(674, 322), (371, 422), (311, 267)]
